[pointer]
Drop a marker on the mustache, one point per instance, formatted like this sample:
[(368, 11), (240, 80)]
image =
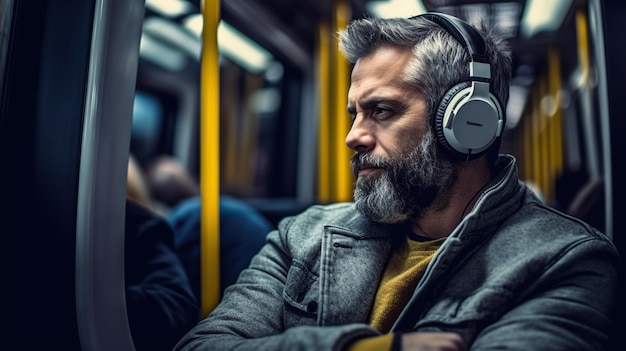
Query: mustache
[(360, 161)]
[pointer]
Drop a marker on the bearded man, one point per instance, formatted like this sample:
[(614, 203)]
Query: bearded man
[(444, 248)]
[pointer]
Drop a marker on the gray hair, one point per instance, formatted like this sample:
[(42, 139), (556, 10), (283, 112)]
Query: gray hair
[(440, 61)]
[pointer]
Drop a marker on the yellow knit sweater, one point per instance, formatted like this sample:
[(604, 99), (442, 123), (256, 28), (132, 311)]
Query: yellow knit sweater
[(404, 270)]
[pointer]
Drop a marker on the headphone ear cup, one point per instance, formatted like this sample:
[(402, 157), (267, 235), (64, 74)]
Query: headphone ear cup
[(468, 121), (439, 121)]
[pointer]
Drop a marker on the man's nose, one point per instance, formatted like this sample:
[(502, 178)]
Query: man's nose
[(360, 138)]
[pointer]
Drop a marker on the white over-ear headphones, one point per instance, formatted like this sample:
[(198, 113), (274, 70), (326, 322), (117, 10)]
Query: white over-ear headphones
[(469, 118)]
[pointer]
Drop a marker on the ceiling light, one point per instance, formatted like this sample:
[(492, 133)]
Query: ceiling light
[(170, 33), (395, 8), (233, 44), (194, 24), (170, 8), (242, 49), (543, 15), (161, 54)]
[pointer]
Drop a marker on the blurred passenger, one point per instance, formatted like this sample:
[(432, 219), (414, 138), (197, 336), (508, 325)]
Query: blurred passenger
[(169, 182), (174, 193), (243, 232), (161, 306), (136, 185)]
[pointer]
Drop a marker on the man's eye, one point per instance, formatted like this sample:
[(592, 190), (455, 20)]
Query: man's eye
[(381, 112)]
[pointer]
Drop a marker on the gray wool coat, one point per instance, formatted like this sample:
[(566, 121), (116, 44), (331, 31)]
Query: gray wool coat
[(515, 274)]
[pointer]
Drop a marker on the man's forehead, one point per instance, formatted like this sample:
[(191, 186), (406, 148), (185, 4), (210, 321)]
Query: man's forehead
[(386, 64)]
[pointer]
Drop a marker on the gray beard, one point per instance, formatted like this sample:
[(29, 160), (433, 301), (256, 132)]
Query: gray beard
[(411, 184)]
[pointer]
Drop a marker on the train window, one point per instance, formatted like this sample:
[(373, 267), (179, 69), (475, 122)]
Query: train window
[(147, 126), (257, 157), (261, 94), (250, 129)]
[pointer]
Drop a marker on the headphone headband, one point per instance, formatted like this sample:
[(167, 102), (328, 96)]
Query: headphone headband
[(463, 32)]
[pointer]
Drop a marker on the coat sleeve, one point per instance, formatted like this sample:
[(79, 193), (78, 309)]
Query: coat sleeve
[(570, 308), (250, 315)]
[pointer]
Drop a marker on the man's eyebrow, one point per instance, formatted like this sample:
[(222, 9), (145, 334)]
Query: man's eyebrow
[(370, 102)]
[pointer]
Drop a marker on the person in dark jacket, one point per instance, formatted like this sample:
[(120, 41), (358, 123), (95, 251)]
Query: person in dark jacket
[(160, 303), (243, 231)]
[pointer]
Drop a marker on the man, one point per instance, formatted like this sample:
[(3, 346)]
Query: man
[(444, 248)]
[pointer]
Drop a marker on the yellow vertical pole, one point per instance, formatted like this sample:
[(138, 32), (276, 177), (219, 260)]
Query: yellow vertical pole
[(555, 130), (543, 151), (527, 141), (344, 180), (210, 159), (323, 74), (536, 128), (583, 44)]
